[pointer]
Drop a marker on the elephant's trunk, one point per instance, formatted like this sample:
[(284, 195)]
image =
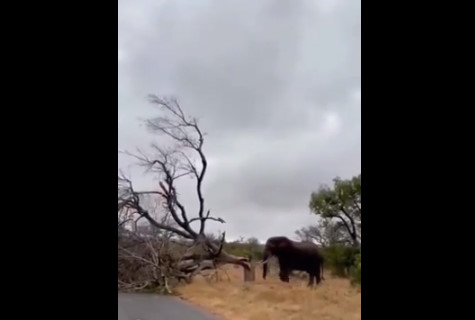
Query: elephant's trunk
[(265, 258)]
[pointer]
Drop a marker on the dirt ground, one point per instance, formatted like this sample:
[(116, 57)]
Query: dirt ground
[(270, 299)]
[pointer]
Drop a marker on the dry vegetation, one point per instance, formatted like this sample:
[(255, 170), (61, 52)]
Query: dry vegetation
[(272, 299)]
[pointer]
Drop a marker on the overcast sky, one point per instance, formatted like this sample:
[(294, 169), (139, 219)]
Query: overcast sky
[(276, 85)]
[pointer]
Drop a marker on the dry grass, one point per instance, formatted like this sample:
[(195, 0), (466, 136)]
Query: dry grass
[(273, 300)]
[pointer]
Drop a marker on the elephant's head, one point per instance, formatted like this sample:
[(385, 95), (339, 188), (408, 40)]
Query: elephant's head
[(274, 247)]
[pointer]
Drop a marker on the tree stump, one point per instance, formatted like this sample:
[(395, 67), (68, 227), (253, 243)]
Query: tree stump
[(250, 275)]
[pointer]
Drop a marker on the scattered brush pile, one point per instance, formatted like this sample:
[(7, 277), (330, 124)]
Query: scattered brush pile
[(146, 263), (158, 263)]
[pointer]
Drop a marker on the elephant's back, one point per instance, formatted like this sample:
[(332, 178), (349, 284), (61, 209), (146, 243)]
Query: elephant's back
[(309, 248)]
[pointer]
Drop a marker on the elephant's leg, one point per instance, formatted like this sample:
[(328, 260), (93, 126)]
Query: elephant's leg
[(284, 271), (311, 279), (318, 275), (284, 275)]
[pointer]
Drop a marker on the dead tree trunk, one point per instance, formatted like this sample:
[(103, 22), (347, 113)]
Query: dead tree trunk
[(250, 274)]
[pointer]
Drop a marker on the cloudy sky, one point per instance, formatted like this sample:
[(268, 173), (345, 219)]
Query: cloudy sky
[(276, 85)]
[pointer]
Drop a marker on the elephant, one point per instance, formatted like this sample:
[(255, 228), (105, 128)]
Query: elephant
[(293, 255)]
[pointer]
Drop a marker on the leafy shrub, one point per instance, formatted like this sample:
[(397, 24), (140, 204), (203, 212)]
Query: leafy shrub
[(341, 259), (356, 271), (245, 249)]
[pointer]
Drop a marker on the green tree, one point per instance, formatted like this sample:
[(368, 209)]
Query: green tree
[(340, 203), (326, 233)]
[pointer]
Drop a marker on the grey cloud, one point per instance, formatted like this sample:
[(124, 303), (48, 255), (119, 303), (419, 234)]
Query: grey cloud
[(263, 76), (230, 65)]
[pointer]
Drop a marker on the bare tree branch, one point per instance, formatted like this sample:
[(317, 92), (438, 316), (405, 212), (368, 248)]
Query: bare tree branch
[(131, 200), (184, 130), (208, 218), (171, 162)]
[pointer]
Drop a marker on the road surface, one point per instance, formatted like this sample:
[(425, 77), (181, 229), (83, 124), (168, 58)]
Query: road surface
[(152, 307)]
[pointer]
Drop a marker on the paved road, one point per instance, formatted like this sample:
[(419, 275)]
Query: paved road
[(152, 307)]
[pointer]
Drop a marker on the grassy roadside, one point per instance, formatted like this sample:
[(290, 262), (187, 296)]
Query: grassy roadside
[(271, 299)]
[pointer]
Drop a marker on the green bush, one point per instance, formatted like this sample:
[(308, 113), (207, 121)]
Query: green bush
[(244, 250), (341, 259), (356, 271)]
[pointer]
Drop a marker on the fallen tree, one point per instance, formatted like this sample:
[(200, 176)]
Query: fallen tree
[(178, 250)]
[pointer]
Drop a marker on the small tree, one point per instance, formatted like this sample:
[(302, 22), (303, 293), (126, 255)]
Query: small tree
[(340, 204), (182, 156)]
